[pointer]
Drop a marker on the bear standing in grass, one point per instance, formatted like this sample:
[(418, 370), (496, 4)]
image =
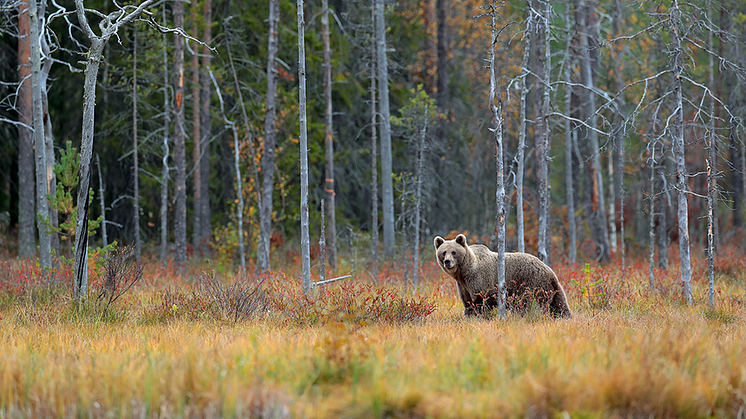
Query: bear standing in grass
[(475, 270)]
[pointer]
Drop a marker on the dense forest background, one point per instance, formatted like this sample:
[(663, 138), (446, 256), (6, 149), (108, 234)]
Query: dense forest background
[(437, 51)]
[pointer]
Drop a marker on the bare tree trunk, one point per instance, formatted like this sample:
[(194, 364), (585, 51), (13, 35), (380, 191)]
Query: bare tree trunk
[(497, 119), (542, 127), (373, 146), (197, 142), (104, 237), (205, 126), (664, 203), (569, 181), (597, 217), (389, 240), (166, 130), (520, 158), (268, 158), (304, 239), (651, 231), (677, 134), (322, 247), (328, 139), (711, 171), (612, 212), (179, 146), (617, 150), (42, 204), (136, 169), (51, 178), (443, 49), (26, 218), (417, 200)]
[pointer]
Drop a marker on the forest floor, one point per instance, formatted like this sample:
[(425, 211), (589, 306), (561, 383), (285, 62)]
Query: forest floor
[(368, 348)]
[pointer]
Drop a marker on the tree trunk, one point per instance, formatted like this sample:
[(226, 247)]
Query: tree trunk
[(196, 141), (51, 178), (328, 139), (496, 108), (664, 204), (304, 240), (42, 204), (522, 135), (597, 219), (386, 160), (166, 130), (651, 231), (542, 128), (417, 199), (102, 202), (569, 180), (373, 147), (26, 218), (612, 212), (711, 170), (136, 169), (205, 126), (677, 134), (179, 146), (268, 158), (442, 97)]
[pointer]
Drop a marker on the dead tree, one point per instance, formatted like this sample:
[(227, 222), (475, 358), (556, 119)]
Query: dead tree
[(328, 138), (136, 168), (373, 146), (26, 218), (179, 141), (305, 240), (389, 240), (520, 155)]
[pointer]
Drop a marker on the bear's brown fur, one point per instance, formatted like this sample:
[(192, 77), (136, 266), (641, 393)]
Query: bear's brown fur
[(475, 270)]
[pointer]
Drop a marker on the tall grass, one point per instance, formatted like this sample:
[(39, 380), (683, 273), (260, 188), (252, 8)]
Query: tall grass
[(627, 351)]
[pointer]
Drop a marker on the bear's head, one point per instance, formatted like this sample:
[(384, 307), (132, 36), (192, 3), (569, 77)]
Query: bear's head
[(451, 254)]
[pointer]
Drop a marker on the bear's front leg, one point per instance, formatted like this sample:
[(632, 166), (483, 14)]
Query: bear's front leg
[(470, 311)]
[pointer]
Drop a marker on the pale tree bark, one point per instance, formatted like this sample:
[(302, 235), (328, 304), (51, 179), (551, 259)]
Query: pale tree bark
[(597, 217), (497, 129), (617, 151), (136, 168), (196, 141), (102, 202), (442, 98), (166, 131), (612, 212), (322, 246), (205, 126), (108, 27), (711, 171), (418, 198), (42, 204), (373, 146), (651, 228), (542, 128), (51, 177), (328, 138), (569, 132), (677, 134), (179, 146), (520, 157), (386, 160), (237, 168), (268, 158), (26, 218), (304, 240)]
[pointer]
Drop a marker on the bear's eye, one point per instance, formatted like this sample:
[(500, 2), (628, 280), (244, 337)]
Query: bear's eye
[(453, 253)]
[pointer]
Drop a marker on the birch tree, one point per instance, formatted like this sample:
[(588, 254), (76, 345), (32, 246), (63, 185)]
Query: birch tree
[(331, 242), (373, 145), (542, 128), (386, 159), (304, 240), (268, 158), (520, 155)]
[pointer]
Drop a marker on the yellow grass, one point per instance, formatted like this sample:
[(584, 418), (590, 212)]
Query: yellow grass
[(640, 355)]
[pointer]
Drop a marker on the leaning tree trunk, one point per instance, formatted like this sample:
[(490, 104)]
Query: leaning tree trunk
[(42, 204), (497, 129), (522, 135), (205, 126), (677, 132), (196, 141), (569, 182), (26, 218), (373, 148), (331, 242), (304, 239), (268, 158), (542, 127), (383, 97), (179, 146), (136, 168)]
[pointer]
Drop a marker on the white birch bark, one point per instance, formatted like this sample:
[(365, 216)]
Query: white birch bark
[(543, 128), (520, 158), (305, 240)]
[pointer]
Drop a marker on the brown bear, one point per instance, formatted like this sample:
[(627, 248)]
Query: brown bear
[(475, 270)]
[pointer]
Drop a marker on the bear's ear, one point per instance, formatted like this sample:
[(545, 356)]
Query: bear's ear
[(438, 241), (461, 239)]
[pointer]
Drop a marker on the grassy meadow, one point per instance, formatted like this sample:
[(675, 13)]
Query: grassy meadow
[(369, 348)]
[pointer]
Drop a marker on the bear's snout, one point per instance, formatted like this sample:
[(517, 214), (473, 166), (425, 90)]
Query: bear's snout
[(448, 263)]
